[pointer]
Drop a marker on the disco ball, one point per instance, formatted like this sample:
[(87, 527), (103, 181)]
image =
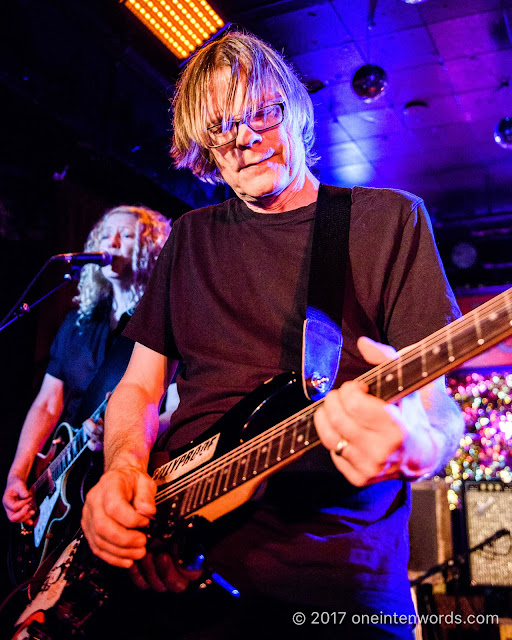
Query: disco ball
[(464, 255), (503, 133), (369, 82)]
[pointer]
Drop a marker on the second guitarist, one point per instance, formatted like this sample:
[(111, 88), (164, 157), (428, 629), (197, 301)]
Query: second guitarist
[(80, 354)]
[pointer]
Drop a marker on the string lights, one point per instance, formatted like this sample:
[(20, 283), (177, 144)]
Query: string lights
[(182, 25)]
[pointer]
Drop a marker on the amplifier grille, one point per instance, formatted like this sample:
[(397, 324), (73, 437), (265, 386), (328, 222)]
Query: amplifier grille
[(488, 508)]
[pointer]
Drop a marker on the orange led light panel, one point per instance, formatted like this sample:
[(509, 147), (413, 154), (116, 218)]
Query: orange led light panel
[(182, 25)]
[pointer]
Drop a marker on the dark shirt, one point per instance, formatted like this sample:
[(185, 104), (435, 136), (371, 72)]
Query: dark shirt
[(241, 281), (78, 353)]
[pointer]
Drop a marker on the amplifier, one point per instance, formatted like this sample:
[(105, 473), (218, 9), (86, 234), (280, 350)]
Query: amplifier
[(487, 510), (430, 530)]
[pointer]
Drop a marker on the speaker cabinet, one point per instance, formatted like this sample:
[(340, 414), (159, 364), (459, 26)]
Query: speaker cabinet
[(488, 509), (430, 531)]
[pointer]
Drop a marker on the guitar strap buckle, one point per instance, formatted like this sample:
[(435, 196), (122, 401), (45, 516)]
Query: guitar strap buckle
[(321, 352)]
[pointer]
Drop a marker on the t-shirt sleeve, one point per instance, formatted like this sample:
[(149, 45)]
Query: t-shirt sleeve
[(59, 351), (418, 299), (150, 324)]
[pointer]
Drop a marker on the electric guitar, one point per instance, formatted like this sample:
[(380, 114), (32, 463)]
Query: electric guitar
[(31, 544), (258, 436)]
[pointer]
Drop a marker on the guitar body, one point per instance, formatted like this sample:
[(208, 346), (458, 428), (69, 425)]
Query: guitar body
[(73, 590), (243, 428), (53, 522), (265, 431), (68, 598)]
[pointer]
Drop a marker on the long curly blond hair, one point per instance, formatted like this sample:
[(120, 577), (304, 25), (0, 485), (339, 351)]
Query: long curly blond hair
[(151, 232)]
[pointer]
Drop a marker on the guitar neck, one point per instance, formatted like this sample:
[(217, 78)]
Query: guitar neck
[(69, 454), (444, 350), (437, 354)]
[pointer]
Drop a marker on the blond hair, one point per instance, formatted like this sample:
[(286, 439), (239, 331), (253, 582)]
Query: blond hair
[(259, 70), (151, 232)]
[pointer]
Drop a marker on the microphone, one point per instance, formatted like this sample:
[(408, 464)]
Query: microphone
[(101, 258)]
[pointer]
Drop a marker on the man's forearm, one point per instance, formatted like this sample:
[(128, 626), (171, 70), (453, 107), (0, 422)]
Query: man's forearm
[(131, 427)]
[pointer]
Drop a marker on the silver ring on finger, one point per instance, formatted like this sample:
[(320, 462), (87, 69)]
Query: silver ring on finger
[(338, 450)]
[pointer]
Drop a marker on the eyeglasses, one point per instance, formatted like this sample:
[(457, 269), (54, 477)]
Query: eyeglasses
[(263, 119)]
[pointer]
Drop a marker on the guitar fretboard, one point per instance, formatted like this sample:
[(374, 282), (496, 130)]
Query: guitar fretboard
[(444, 350), (437, 354), (67, 456), (275, 446)]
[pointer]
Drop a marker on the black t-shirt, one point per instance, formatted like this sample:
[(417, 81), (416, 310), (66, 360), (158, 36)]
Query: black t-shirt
[(78, 353), (228, 296)]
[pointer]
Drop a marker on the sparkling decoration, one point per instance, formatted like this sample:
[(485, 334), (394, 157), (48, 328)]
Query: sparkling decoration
[(369, 82), (485, 451)]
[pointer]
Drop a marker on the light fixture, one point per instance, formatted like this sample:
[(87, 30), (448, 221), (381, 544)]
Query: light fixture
[(503, 133), (464, 255), (369, 82), (182, 25), (413, 1)]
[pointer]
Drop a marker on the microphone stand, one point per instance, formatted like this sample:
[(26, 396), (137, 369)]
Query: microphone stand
[(21, 308), (460, 559), (454, 564)]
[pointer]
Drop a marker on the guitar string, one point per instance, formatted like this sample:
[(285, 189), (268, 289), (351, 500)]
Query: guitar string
[(446, 334), (462, 323), (274, 432), (454, 329), (239, 452), (245, 449), (56, 461)]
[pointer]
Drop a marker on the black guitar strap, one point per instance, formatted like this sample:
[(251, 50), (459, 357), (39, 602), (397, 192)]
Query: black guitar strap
[(322, 338)]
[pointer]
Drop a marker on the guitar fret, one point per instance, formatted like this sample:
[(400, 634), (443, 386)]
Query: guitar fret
[(209, 483), (172, 511), (226, 478), (207, 480), (191, 501), (278, 457), (478, 328), (289, 449), (267, 457), (424, 371), (235, 475), (294, 440), (256, 462), (451, 357), (217, 491), (309, 422), (439, 355), (198, 486), (378, 389), (400, 376), (246, 465), (185, 503), (386, 387)]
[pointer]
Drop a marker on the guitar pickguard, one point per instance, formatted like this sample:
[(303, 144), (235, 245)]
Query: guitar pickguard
[(45, 512), (54, 584)]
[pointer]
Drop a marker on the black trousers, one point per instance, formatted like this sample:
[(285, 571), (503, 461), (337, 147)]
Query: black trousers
[(213, 614)]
